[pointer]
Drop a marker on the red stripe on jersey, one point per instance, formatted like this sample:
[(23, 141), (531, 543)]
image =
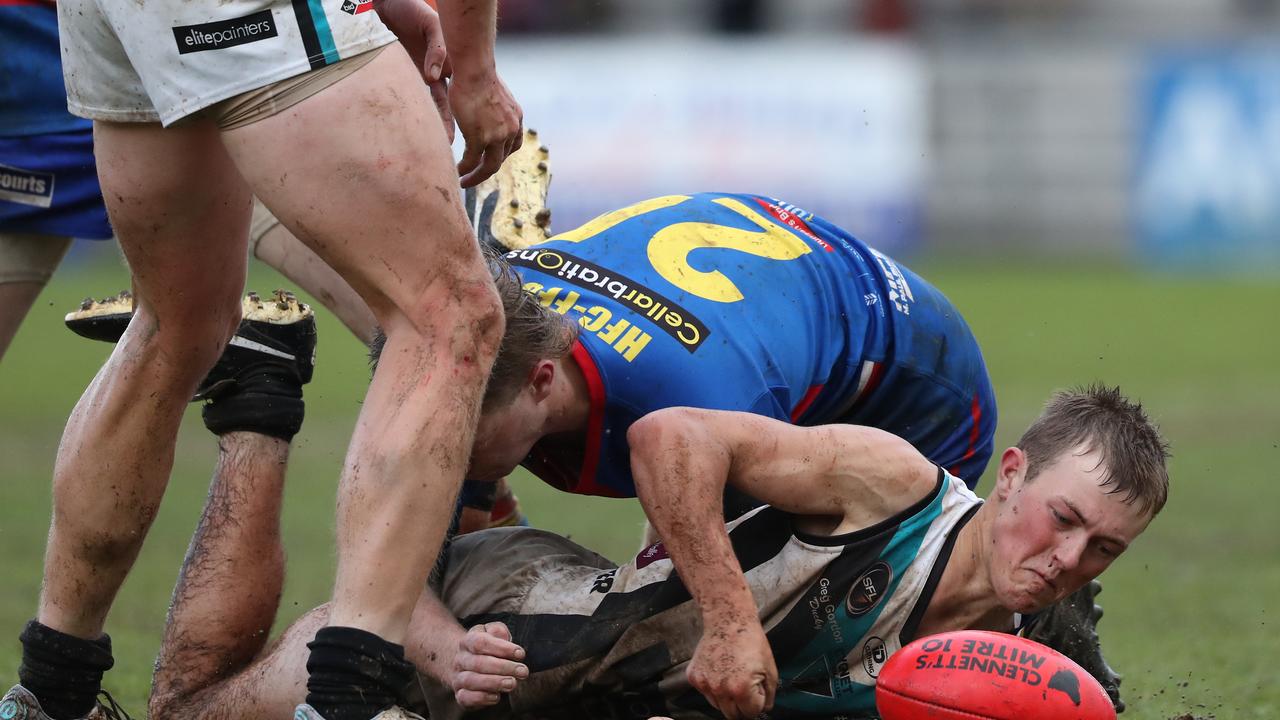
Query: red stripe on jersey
[(805, 402), (587, 484), (41, 3), (975, 414)]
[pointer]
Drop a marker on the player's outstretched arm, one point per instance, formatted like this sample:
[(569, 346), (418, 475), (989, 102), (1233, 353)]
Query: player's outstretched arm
[(486, 112), (681, 459)]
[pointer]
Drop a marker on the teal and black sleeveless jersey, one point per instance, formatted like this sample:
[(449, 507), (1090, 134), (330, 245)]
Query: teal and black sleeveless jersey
[(612, 642), (740, 302)]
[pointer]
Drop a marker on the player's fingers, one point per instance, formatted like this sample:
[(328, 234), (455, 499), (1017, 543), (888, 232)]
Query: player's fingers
[(471, 156), (440, 96), (481, 642), (512, 145), (483, 682), (490, 161), (434, 59), (493, 667), (498, 630), (475, 699)]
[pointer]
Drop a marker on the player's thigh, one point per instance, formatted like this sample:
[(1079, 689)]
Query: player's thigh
[(363, 174), (181, 213), (27, 261), (274, 245)]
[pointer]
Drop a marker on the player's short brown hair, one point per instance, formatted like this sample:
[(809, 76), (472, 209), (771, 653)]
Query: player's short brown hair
[(534, 332), (1101, 418)]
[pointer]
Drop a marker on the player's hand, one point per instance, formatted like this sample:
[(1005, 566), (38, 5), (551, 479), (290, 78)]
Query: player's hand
[(417, 26), (733, 668), (487, 665), (491, 121)]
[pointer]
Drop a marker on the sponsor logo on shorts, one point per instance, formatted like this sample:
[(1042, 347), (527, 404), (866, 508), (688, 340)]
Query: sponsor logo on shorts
[(26, 187), (869, 589), (355, 8), (667, 316), (225, 33)]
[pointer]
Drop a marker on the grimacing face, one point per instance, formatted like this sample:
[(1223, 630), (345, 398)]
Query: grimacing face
[(1058, 531)]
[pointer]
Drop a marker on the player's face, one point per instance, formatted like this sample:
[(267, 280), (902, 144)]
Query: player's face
[(1057, 532), (504, 437)]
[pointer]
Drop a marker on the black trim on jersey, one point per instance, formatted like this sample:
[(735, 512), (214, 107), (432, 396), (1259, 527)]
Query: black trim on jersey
[(909, 628), (307, 28), (856, 536), (793, 633), (552, 641)]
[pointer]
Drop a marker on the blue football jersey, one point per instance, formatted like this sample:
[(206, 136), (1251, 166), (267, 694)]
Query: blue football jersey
[(748, 303), (32, 98)]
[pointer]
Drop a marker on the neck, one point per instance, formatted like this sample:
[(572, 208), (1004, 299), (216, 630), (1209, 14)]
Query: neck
[(965, 597), (570, 400)]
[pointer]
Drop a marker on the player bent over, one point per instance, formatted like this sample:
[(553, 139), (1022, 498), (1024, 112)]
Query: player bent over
[(730, 302), (335, 110), (865, 545)]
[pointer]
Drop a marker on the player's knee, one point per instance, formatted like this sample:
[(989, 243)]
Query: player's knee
[(193, 335), (466, 314), (485, 318)]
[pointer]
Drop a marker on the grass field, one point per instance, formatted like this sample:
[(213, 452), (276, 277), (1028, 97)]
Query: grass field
[(1192, 618)]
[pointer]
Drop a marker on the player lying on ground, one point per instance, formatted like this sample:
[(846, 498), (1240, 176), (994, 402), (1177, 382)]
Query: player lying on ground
[(794, 319), (865, 545)]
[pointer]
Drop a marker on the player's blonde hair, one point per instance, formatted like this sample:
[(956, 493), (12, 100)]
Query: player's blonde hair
[(1101, 418)]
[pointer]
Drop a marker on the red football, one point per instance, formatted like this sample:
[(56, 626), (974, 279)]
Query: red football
[(975, 675)]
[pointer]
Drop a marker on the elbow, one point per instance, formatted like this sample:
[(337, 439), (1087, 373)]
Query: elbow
[(660, 430), (655, 440)]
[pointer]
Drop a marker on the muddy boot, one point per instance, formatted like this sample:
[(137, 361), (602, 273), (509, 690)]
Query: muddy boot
[(1071, 628), (256, 385), (509, 210), (20, 704)]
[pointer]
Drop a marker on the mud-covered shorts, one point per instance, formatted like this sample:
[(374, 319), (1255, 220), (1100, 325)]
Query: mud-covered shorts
[(149, 60)]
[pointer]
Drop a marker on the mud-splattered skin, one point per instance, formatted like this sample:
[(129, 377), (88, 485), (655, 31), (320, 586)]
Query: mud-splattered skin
[(117, 449), (235, 556), (682, 458)]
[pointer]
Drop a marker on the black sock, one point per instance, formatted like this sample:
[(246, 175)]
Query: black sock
[(354, 675), (267, 400), (64, 672)]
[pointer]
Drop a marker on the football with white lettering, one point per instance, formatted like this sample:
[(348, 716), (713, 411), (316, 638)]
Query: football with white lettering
[(975, 675)]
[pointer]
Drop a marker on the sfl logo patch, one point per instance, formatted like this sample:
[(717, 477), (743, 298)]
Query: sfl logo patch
[(869, 589)]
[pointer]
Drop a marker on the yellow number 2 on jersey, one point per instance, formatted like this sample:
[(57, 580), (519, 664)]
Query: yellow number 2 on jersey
[(670, 247)]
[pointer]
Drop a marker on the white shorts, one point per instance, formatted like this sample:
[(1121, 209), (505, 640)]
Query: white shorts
[(143, 61)]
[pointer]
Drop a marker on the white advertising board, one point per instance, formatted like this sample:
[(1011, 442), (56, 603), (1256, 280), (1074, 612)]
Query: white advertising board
[(838, 126)]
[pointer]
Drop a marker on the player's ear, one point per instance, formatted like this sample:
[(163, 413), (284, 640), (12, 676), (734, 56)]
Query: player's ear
[(541, 377), (1013, 470)]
